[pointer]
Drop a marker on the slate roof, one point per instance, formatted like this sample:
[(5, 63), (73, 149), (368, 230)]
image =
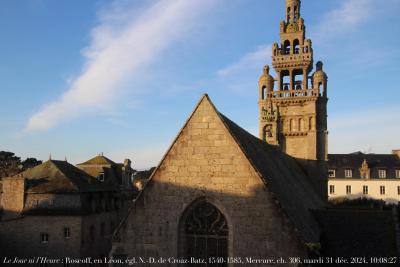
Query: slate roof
[(55, 176), (356, 232), (354, 160), (284, 177), (99, 160)]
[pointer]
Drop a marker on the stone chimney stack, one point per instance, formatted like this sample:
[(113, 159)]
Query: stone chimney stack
[(12, 199), (127, 163)]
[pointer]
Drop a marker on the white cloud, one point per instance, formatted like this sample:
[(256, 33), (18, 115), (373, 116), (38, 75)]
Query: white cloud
[(348, 17), (252, 60), (122, 44)]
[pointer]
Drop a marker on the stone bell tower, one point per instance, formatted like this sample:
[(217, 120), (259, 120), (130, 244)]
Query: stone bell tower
[(293, 106)]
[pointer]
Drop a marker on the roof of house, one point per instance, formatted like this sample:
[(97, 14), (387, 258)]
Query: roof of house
[(280, 172), (354, 160), (54, 176), (98, 160), (357, 232)]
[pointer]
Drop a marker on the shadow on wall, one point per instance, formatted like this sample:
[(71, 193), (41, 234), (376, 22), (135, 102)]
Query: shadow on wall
[(217, 216)]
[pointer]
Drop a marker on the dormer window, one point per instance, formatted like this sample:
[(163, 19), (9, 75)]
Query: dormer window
[(348, 173), (100, 177), (382, 173), (331, 173)]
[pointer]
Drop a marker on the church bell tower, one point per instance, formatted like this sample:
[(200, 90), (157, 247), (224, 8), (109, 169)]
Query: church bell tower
[(293, 105)]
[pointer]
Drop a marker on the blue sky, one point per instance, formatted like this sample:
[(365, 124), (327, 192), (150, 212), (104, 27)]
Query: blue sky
[(79, 78)]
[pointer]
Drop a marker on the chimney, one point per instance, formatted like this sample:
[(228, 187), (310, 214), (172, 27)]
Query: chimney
[(396, 152), (127, 163), (13, 197)]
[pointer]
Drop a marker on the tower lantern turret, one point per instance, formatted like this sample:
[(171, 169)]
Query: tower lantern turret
[(266, 83), (292, 10), (320, 79)]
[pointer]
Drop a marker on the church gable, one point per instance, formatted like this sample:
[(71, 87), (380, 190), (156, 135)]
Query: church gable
[(207, 168), (205, 154)]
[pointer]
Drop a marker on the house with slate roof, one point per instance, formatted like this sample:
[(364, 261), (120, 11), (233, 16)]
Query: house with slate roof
[(360, 175), (57, 210)]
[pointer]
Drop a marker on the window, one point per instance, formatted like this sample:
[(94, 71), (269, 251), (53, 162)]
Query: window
[(332, 189), (264, 92), (382, 190), (348, 173), (331, 173), (348, 189), (66, 232), (382, 173), (100, 177), (296, 45), (398, 190), (365, 189), (44, 238), (203, 232), (397, 173)]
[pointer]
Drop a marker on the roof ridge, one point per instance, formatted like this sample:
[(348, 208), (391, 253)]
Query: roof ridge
[(75, 186)]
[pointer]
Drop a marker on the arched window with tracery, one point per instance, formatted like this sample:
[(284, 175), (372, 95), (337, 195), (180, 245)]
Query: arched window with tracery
[(203, 233)]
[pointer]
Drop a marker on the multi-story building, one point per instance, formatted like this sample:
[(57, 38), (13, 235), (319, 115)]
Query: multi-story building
[(360, 175), (57, 210)]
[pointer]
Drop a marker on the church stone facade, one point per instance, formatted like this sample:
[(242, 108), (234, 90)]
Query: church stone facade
[(221, 192)]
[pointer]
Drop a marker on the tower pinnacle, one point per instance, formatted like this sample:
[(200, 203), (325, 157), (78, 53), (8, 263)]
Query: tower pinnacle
[(292, 10)]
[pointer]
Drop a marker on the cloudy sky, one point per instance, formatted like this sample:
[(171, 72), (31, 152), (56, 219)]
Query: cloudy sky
[(79, 78)]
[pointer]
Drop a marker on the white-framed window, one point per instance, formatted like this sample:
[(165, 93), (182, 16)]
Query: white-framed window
[(382, 190), (44, 238), (67, 233), (331, 173), (348, 173), (332, 189), (382, 173), (348, 189), (365, 190), (398, 173)]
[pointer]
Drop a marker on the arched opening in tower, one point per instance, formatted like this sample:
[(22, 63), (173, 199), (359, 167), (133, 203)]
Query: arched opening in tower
[(285, 80), (286, 47), (296, 46), (298, 79)]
